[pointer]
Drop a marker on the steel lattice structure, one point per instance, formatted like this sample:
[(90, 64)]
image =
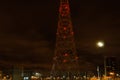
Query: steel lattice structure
[(65, 59)]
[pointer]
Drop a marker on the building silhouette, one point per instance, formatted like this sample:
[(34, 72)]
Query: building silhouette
[(111, 66)]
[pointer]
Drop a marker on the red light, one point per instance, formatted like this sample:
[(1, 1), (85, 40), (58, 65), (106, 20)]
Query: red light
[(72, 33), (66, 7), (64, 10), (65, 28), (65, 54), (64, 60)]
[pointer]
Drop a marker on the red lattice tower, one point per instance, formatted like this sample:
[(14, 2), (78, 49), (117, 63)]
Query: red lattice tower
[(65, 59)]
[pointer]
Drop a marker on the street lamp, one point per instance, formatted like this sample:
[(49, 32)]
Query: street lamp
[(100, 44)]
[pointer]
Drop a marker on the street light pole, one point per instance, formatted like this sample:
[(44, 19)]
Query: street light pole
[(105, 73), (98, 71), (100, 44)]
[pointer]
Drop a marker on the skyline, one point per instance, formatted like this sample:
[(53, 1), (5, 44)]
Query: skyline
[(28, 30)]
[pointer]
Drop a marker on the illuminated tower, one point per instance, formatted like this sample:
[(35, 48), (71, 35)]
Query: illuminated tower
[(65, 59)]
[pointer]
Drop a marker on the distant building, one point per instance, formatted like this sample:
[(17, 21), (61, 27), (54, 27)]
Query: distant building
[(111, 66), (1, 74)]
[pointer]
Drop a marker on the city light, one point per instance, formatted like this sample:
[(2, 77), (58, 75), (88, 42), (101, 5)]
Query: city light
[(111, 73)]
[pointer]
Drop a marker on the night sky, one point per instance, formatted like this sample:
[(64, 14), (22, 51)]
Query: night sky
[(28, 28)]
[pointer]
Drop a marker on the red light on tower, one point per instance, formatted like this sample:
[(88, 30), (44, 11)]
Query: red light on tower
[(64, 28), (72, 33), (66, 7), (64, 10), (64, 61), (66, 54)]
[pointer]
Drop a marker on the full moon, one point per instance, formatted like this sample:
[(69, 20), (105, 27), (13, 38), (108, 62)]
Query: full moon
[(100, 44)]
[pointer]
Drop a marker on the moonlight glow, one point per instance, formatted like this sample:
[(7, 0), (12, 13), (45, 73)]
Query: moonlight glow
[(100, 44)]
